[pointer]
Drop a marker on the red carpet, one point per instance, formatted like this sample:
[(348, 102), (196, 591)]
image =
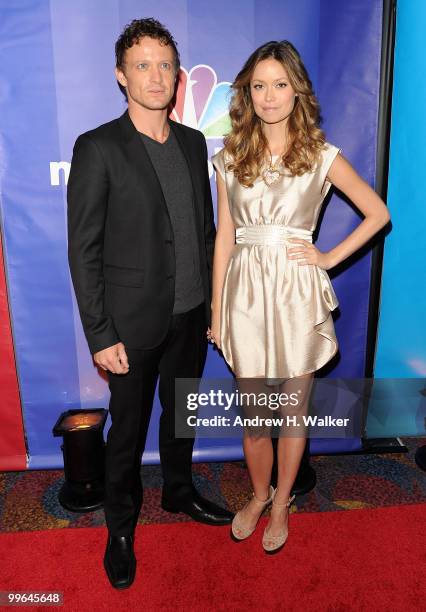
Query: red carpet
[(333, 561)]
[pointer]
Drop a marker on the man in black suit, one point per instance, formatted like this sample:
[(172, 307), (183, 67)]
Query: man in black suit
[(141, 235)]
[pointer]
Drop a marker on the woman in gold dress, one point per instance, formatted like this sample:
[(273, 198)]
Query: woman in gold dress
[(272, 296)]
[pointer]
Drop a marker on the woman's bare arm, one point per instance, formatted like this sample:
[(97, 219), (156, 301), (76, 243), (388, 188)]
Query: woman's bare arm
[(347, 180), (224, 245)]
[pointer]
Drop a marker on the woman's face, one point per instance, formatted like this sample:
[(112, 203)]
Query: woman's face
[(272, 95)]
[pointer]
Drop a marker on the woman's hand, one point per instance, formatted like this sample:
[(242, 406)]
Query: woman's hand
[(213, 333), (307, 253)]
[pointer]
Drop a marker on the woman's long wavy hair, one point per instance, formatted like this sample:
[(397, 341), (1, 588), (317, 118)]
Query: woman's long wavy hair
[(246, 143)]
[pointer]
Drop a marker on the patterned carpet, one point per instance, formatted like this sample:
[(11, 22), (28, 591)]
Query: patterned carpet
[(29, 500)]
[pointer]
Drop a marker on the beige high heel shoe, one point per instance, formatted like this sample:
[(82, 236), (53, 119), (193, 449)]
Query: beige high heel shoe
[(273, 544), (238, 530)]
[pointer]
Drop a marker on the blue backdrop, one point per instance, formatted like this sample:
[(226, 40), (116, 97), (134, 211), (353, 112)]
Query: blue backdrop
[(57, 81), (401, 357)]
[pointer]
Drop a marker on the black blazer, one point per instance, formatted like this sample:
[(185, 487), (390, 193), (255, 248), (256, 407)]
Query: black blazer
[(120, 238)]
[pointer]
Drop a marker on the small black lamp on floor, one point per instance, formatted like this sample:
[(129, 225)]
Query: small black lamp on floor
[(83, 449)]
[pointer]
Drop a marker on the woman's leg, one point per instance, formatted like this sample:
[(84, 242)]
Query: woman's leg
[(291, 445), (259, 457), (258, 451)]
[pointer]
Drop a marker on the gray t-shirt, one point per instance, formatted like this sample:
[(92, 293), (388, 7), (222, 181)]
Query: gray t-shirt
[(173, 173)]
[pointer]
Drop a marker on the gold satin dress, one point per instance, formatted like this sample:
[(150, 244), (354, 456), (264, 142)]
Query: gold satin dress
[(276, 320)]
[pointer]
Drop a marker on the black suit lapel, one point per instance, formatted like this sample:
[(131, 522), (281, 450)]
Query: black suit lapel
[(150, 184), (139, 158)]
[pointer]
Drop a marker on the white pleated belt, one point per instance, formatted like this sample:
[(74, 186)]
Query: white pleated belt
[(270, 234)]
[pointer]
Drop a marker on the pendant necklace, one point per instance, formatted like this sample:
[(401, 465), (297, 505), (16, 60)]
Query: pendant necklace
[(271, 174)]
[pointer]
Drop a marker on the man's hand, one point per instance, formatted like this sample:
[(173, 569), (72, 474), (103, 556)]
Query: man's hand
[(113, 358)]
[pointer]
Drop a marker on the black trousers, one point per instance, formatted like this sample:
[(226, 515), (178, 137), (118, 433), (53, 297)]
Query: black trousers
[(182, 354)]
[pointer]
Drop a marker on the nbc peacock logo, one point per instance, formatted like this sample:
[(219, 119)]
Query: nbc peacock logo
[(202, 102)]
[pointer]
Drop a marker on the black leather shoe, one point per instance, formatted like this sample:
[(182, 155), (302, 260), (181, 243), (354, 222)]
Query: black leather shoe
[(120, 561), (199, 509)]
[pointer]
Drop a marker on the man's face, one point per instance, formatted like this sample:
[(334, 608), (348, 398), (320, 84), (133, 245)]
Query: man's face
[(148, 74)]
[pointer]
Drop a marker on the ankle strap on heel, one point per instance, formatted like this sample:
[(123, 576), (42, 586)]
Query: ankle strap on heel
[(287, 504), (270, 498)]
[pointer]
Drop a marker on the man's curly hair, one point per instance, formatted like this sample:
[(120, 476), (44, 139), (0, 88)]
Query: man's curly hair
[(137, 29)]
